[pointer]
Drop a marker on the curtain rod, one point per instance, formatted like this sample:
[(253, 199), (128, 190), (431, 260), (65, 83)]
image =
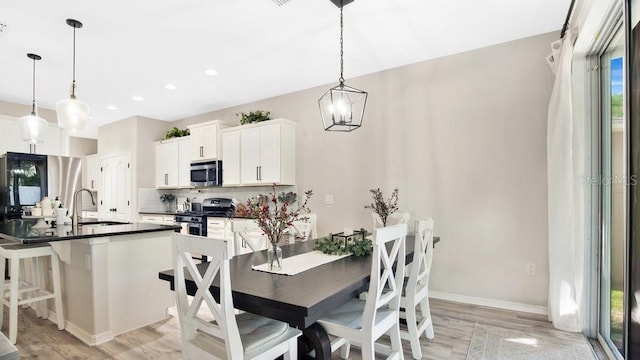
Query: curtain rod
[(566, 21)]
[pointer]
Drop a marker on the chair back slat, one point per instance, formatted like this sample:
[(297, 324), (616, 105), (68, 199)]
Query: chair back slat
[(422, 257), (400, 217), (305, 228), (225, 328), (387, 271), (241, 230)]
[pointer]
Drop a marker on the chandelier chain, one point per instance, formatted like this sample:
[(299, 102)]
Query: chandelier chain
[(341, 47)]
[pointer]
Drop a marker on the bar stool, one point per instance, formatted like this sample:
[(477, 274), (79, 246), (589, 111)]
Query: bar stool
[(33, 289)]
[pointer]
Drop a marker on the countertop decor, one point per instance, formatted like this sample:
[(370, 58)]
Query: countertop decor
[(274, 217), (352, 242), (174, 132), (254, 116), (381, 207)]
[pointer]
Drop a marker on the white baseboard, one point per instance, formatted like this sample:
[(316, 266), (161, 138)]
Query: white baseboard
[(81, 334), (500, 304)]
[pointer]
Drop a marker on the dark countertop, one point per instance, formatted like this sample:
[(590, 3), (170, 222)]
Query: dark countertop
[(21, 230), (157, 213)]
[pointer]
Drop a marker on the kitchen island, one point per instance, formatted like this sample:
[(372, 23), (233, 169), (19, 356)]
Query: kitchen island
[(109, 273)]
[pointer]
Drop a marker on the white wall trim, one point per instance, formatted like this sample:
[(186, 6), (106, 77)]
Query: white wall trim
[(84, 336), (500, 304)]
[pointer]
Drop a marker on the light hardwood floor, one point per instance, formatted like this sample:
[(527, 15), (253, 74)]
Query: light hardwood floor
[(453, 325)]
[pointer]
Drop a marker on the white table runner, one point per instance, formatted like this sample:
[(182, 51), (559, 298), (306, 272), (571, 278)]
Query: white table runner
[(299, 263)]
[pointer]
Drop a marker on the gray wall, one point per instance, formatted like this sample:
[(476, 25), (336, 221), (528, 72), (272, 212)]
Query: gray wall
[(463, 137), (134, 136)]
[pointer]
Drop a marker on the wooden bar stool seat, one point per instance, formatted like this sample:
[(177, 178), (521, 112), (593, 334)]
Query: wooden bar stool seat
[(19, 290)]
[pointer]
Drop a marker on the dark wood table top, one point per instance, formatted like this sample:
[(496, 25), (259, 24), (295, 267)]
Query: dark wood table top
[(300, 299)]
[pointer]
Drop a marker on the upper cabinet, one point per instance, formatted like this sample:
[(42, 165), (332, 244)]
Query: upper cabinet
[(91, 172), (173, 161), (204, 140), (259, 154), (231, 157)]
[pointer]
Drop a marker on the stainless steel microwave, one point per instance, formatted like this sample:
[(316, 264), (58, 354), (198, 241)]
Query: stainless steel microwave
[(204, 174)]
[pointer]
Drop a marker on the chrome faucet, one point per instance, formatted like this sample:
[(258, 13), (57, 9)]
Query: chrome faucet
[(74, 218)]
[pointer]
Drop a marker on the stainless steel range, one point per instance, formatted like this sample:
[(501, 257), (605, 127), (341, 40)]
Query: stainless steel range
[(211, 207)]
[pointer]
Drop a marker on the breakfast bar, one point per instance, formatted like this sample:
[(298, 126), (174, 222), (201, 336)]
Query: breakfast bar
[(108, 273)]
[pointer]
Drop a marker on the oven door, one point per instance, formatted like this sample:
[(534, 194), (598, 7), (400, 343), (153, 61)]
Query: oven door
[(197, 229)]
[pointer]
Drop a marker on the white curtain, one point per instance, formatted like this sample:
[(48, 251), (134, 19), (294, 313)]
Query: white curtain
[(565, 164)]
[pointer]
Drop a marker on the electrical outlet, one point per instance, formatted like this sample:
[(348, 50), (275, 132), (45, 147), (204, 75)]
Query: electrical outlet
[(328, 199), (530, 268), (87, 261)]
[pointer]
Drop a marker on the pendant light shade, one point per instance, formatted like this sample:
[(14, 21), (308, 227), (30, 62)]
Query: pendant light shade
[(32, 126), (342, 107), (73, 114)]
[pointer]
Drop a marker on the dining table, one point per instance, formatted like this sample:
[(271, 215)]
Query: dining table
[(299, 300)]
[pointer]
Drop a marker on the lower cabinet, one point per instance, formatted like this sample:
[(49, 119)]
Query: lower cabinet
[(157, 219), (220, 228)]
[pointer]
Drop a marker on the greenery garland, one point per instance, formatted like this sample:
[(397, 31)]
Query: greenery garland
[(336, 247)]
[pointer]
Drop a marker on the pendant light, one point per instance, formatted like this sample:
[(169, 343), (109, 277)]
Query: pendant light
[(342, 107), (73, 113), (32, 125)]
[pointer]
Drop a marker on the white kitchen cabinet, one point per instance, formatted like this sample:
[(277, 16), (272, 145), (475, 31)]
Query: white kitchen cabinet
[(90, 214), (205, 142), (157, 219), (257, 237), (115, 193), (91, 172), (231, 157), (221, 228), (173, 159), (267, 153)]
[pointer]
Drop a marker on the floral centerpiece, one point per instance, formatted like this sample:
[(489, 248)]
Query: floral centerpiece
[(274, 216), (381, 207)]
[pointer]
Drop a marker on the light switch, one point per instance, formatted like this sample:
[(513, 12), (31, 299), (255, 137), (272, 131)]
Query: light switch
[(328, 199)]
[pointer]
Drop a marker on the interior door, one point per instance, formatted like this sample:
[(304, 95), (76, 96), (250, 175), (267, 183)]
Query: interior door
[(105, 203), (122, 183)]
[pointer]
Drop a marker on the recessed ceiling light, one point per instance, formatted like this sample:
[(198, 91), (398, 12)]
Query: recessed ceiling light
[(211, 72), (111, 107), (138, 98), (170, 87)]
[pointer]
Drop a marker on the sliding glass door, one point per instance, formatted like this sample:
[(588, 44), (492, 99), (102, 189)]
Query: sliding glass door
[(633, 140), (613, 159)]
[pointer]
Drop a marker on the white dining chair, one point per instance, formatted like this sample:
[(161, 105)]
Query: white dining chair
[(229, 336), (416, 289), (305, 228), (362, 322), (398, 217), (247, 237)]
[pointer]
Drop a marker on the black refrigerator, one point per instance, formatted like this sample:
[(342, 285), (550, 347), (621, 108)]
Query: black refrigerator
[(26, 178)]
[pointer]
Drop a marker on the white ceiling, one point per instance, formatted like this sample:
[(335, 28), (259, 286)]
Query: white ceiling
[(133, 48)]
